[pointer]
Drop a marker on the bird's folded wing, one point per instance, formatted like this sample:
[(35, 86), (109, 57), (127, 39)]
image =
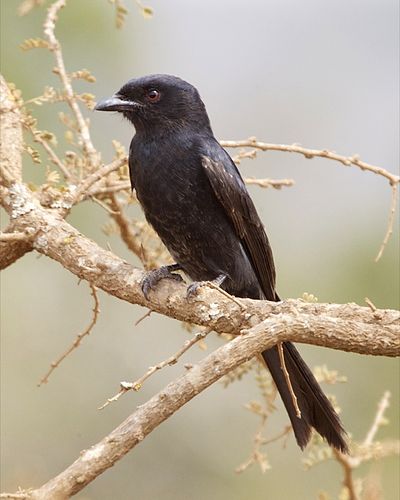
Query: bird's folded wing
[(231, 192)]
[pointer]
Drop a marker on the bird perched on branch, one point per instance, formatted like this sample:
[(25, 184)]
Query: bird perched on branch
[(193, 195)]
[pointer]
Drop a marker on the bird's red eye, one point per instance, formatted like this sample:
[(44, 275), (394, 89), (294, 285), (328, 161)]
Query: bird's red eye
[(153, 95)]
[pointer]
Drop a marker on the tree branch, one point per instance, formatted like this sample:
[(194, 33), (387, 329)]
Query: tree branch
[(258, 325), (11, 143), (55, 47), (147, 417), (348, 327), (312, 153), (77, 342), (354, 160), (12, 250)]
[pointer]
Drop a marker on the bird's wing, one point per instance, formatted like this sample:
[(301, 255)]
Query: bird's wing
[(232, 193)]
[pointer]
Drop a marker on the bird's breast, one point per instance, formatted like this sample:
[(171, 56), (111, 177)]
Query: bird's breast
[(178, 201)]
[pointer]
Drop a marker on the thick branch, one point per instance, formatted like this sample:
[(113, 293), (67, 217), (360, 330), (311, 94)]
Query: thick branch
[(160, 407), (13, 246), (11, 251), (348, 327), (11, 145), (11, 137)]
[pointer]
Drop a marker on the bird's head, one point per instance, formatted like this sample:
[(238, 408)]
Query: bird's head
[(164, 101)]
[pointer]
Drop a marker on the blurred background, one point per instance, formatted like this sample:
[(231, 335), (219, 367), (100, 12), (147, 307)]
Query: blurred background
[(322, 74)]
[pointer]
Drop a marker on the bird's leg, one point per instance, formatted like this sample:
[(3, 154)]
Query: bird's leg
[(151, 278), (194, 287)]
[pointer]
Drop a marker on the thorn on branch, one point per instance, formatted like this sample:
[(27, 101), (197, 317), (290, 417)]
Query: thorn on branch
[(370, 304), (146, 315)]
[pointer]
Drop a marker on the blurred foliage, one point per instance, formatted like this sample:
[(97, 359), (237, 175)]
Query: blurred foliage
[(333, 230)]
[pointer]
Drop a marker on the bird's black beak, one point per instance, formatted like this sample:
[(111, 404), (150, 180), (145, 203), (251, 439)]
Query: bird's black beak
[(115, 103)]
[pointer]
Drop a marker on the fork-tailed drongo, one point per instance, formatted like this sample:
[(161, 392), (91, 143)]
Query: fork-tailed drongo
[(194, 197)]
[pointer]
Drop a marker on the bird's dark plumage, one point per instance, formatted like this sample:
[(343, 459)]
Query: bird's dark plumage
[(194, 197)]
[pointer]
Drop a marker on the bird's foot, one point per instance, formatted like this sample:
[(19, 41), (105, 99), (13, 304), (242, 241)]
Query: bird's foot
[(151, 278), (193, 288)]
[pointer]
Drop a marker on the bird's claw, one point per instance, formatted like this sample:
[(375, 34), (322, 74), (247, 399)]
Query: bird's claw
[(151, 279), (193, 289)]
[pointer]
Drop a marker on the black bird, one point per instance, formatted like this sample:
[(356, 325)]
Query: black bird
[(194, 197)]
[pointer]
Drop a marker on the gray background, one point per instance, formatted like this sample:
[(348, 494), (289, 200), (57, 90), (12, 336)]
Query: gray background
[(323, 74)]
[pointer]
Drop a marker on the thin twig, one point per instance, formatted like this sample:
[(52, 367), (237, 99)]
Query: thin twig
[(146, 315), (127, 231), (96, 176), (268, 183), (210, 284), (78, 339), (106, 207), (370, 304), (137, 384), (393, 179), (53, 156), (312, 153), (111, 188), (55, 47), (348, 479), (256, 456), (390, 223), (349, 463), (286, 430), (383, 405), (243, 153), (288, 381)]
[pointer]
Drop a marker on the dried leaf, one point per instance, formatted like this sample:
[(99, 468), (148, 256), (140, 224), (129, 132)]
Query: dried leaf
[(34, 154), (322, 374), (120, 150), (120, 12), (69, 137), (45, 135), (309, 297), (34, 43), (83, 74), (147, 12), (87, 99), (53, 177)]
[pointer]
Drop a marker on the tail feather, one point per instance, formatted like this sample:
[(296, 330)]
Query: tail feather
[(316, 409)]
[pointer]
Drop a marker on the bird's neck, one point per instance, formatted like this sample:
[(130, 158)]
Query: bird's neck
[(169, 129)]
